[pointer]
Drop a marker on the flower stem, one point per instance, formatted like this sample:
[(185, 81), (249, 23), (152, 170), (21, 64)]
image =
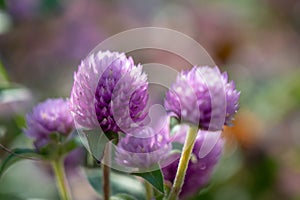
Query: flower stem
[(183, 163), (61, 180), (149, 190), (106, 172)]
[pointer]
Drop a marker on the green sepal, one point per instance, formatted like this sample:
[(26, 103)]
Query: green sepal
[(174, 121), (58, 146), (111, 135)]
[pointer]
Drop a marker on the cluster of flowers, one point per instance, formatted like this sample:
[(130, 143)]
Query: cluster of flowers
[(111, 92)]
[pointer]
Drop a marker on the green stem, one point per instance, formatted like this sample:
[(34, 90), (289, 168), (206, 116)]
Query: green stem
[(61, 180), (149, 190), (106, 172), (183, 163)]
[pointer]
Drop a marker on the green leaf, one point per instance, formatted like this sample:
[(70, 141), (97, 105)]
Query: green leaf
[(71, 144), (2, 4), (120, 183), (50, 5), (14, 94), (123, 197), (20, 121), (95, 141), (155, 178), (158, 195), (10, 196), (15, 156), (3, 75)]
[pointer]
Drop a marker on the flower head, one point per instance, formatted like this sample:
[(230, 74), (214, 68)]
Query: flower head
[(109, 91), (52, 115), (26, 9), (144, 148), (207, 90), (200, 168)]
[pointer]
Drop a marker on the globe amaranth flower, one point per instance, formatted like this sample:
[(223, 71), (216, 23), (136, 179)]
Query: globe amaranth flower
[(110, 91), (50, 116), (144, 148), (199, 168), (204, 97)]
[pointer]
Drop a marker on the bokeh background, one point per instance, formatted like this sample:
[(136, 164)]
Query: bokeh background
[(256, 41)]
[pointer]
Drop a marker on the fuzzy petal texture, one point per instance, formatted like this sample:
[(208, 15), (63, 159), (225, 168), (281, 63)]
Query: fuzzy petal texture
[(52, 115), (109, 88), (204, 97), (144, 148)]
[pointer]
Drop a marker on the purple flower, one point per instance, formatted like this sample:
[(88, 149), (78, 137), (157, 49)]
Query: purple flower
[(50, 116), (199, 168), (25, 9), (110, 91), (143, 149), (203, 96)]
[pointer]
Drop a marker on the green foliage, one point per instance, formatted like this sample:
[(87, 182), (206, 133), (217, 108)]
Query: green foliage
[(17, 155), (160, 196), (155, 178), (49, 6), (10, 196), (20, 121), (2, 4), (120, 183), (123, 197), (95, 141), (3, 75), (262, 175), (55, 149), (58, 146), (283, 92)]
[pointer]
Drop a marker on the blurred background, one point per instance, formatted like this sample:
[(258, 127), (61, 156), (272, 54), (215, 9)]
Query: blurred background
[(256, 41)]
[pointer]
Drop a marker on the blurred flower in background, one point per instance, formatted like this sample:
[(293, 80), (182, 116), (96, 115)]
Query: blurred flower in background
[(257, 42), (50, 117)]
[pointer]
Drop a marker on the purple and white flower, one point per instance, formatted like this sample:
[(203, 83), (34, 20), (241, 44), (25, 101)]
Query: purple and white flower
[(143, 149), (50, 116), (204, 97), (109, 91)]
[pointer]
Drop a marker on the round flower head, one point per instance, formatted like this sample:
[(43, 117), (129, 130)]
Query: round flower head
[(200, 168), (52, 115), (207, 90), (110, 91), (143, 149)]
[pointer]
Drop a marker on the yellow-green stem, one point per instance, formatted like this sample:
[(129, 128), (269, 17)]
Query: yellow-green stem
[(149, 190), (183, 163), (61, 180)]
